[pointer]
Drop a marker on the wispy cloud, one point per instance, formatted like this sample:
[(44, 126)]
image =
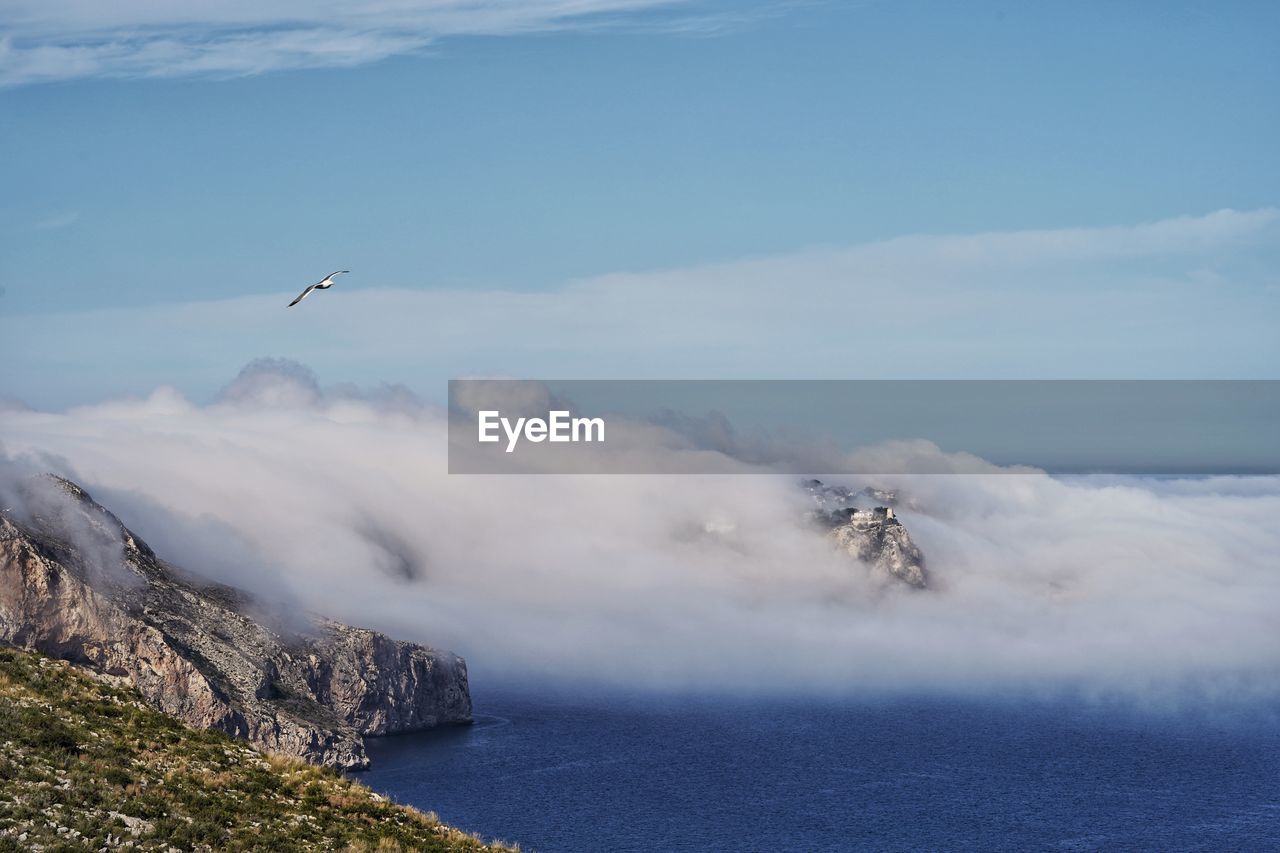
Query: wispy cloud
[(46, 40), (1123, 302)]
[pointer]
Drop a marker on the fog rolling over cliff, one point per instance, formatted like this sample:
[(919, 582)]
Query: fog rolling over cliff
[(77, 584), (339, 500)]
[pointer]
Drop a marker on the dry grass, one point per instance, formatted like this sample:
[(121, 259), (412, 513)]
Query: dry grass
[(90, 766)]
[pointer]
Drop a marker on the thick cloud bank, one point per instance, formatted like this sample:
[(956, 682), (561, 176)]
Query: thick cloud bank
[(339, 501)]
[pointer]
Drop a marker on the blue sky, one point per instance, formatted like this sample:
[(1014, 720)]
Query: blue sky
[(168, 176)]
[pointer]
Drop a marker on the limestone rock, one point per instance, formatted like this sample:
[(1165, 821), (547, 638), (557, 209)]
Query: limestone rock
[(872, 536), (77, 584)]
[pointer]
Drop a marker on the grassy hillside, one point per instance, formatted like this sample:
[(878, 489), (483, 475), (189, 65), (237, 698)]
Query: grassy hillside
[(85, 765)]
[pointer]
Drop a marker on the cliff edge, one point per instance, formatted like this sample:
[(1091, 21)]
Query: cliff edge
[(76, 584)]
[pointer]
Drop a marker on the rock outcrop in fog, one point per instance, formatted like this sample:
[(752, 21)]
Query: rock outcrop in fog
[(872, 536), (77, 584)]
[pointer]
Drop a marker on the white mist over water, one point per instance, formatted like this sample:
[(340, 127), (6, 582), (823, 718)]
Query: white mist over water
[(340, 502)]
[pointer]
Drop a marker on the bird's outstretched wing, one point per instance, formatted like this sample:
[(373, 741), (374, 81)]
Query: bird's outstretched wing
[(335, 272), (302, 296)]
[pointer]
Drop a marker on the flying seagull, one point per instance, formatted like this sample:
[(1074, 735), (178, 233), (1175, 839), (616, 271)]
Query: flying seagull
[(324, 284)]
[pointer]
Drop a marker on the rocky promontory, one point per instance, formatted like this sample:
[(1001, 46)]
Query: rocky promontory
[(75, 583), (873, 536)]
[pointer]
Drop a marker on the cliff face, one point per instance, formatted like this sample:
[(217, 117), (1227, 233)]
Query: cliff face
[(76, 584), (872, 536)]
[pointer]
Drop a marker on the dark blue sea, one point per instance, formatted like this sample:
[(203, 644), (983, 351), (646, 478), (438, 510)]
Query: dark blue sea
[(610, 773)]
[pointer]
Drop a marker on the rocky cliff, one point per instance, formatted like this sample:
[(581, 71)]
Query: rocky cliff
[(75, 583), (88, 765), (873, 536)]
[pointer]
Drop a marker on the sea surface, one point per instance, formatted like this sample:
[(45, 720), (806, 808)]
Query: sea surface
[(616, 773)]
